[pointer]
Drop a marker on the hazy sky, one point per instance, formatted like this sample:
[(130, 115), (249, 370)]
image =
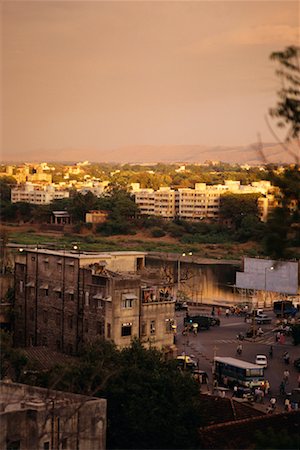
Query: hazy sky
[(99, 75)]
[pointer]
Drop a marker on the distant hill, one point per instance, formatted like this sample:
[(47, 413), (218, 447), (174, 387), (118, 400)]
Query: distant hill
[(274, 153)]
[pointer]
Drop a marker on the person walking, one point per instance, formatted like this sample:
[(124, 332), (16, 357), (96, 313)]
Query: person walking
[(286, 375), (227, 312)]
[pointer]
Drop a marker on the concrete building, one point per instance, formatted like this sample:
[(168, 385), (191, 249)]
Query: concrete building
[(43, 419), (96, 216), (37, 194), (202, 202), (66, 299)]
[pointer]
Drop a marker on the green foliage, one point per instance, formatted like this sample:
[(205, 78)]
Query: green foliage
[(271, 438), (12, 361), (288, 105), (151, 405), (157, 232), (236, 207)]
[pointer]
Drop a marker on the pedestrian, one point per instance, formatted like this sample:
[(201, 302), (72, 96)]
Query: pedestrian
[(215, 385), (277, 337), (239, 349), (195, 329), (286, 404), (282, 388), (235, 391), (267, 387), (213, 311), (227, 312), (271, 352), (286, 375), (286, 358)]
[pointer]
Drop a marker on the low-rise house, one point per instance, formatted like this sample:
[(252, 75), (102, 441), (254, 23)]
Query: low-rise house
[(66, 299), (37, 418)]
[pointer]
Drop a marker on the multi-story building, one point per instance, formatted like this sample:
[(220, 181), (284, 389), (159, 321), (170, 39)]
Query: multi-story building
[(66, 299), (36, 418), (37, 194), (202, 202)]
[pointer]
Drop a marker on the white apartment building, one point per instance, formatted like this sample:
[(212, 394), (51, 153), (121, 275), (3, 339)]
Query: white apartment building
[(202, 202), (37, 194)]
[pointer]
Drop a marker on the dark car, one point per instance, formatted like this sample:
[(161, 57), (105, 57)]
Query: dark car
[(297, 364), (181, 306), (203, 322)]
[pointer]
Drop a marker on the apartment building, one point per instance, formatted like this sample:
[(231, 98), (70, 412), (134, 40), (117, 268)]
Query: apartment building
[(36, 418), (202, 202), (37, 194), (66, 299)]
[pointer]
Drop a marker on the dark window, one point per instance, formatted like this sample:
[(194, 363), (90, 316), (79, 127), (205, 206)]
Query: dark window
[(59, 294), (108, 330), (100, 328), (70, 321), (126, 329), (45, 317), (46, 445), (71, 297), (144, 329), (13, 445), (152, 327), (46, 291)]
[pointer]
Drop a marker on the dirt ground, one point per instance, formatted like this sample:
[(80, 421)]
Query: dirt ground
[(217, 251)]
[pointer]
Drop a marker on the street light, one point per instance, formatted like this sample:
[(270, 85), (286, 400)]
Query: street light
[(266, 269), (178, 271)]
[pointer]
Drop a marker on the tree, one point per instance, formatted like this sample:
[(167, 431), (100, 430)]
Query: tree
[(236, 207), (288, 105), (151, 404), (283, 224)]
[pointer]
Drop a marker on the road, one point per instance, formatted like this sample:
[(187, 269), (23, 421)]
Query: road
[(222, 341)]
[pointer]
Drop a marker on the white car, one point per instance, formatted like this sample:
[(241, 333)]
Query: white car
[(261, 360)]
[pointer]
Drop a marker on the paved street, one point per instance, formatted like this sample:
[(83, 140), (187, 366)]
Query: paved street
[(222, 341)]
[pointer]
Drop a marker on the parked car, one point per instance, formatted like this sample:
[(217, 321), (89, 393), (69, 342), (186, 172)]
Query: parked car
[(185, 362), (263, 319), (181, 306), (261, 360)]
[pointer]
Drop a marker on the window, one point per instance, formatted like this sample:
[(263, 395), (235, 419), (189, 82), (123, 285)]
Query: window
[(100, 328), (46, 445), (13, 445), (108, 330), (127, 303), (45, 316), (70, 322), (169, 325), (126, 329), (144, 329), (152, 327)]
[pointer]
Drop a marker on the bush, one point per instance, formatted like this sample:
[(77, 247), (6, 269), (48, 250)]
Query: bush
[(157, 232)]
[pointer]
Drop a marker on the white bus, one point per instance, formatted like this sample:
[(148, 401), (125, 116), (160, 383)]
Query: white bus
[(238, 372)]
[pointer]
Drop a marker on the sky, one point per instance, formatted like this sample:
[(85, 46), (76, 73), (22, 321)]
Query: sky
[(102, 75)]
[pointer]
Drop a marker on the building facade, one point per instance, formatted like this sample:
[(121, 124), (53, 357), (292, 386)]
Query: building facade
[(37, 194), (66, 299), (202, 202), (44, 419)]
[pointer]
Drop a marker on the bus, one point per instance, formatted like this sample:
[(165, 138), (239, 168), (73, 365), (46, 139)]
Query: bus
[(238, 372)]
